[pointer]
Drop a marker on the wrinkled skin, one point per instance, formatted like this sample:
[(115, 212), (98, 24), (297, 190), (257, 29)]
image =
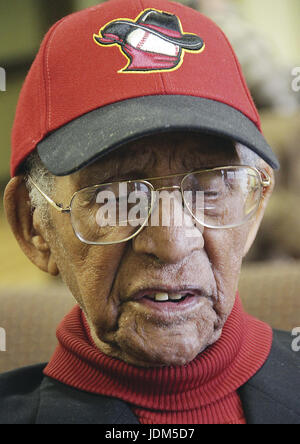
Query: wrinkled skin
[(105, 279)]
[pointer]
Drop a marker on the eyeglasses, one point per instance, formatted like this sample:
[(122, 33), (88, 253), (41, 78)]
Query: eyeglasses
[(115, 212)]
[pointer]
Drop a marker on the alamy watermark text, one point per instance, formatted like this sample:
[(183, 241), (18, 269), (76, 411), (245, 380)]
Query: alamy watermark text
[(296, 341), (296, 80), (2, 340), (2, 79)]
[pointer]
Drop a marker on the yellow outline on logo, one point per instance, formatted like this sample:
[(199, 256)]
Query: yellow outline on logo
[(123, 70)]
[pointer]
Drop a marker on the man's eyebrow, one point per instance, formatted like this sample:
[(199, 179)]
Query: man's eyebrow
[(123, 168), (116, 176)]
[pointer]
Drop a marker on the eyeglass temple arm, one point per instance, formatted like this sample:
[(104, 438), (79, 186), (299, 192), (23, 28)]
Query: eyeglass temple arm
[(58, 207)]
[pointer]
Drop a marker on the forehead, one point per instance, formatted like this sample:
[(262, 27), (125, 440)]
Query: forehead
[(167, 153)]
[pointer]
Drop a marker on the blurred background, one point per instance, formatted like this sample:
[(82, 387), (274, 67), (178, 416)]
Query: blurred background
[(266, 37)]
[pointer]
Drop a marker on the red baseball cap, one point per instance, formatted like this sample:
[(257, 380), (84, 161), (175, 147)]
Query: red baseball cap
[(124, 69)]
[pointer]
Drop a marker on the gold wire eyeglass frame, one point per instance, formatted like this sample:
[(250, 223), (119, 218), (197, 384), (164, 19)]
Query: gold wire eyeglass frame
[(265, 182)]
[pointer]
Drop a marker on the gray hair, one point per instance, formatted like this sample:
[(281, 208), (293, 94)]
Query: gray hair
[(249, 157), (34, 168)]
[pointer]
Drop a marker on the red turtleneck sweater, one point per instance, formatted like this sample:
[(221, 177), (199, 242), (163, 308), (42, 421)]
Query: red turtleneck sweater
[(202, 392)]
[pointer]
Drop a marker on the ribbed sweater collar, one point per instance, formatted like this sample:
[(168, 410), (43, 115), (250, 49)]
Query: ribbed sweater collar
[(212, 376)]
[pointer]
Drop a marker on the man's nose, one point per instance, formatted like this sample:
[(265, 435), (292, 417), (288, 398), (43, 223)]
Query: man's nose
[(171, 234)]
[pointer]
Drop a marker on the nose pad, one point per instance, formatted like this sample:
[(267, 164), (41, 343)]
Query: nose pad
[(171, 233)]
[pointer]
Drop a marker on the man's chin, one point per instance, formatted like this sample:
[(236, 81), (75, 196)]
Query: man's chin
[(145, 343)]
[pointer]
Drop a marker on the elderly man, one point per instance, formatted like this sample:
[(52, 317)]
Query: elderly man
[(141, 176)]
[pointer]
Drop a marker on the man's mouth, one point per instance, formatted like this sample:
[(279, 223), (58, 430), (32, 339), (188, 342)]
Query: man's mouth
[(167, 299), (163, 297)]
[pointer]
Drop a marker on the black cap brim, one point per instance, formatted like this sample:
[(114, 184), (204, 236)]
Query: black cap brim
[(99, 132)]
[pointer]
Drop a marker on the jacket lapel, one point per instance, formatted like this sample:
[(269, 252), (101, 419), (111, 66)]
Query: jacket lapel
[(272, 395), (60, 404)]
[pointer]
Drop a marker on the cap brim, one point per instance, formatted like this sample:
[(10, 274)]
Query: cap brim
[(99, 132)]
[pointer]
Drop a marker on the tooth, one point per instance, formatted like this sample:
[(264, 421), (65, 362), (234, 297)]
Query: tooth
[(176, 297), (161, 297)]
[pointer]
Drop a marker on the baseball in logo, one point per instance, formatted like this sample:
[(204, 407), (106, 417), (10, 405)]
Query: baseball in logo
[(153, 42)]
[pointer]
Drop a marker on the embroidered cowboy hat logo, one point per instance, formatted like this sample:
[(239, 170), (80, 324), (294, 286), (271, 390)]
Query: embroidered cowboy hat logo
[(153, 42)]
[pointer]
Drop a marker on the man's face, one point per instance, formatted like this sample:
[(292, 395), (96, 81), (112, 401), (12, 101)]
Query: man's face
[(111, 282)]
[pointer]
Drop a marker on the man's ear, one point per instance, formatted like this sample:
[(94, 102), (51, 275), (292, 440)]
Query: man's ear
[(25, 226), (256, 222)]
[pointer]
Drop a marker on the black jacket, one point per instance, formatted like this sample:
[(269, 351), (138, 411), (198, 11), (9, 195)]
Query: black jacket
[(272, 396)]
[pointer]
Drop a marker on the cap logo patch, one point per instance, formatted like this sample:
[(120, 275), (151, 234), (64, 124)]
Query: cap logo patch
[(153, 42)]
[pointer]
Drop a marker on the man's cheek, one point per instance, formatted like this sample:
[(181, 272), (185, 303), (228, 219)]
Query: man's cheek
[(102, 313), (225, 250)]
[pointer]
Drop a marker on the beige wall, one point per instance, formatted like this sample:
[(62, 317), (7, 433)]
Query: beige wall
[(278, 20)]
